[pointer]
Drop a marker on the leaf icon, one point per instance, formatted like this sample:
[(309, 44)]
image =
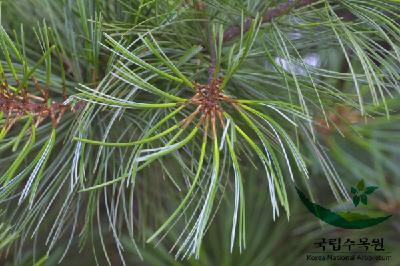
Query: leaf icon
[(360, 193), (356, 200), (364, 199), (361, 185), (370, 190)]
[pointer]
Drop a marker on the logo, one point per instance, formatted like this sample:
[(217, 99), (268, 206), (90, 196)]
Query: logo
[(347, 249), (346, 219)]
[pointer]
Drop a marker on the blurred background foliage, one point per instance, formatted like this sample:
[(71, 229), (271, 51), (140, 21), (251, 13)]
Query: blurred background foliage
[(342, 57)]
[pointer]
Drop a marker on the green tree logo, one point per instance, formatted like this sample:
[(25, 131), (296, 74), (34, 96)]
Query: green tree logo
[(346, 219), (360, 193)]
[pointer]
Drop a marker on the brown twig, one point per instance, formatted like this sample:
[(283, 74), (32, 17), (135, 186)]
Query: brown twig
[(15, 105), (272, 13)]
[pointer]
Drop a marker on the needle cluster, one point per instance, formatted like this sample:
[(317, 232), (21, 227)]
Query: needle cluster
[(18, 103)]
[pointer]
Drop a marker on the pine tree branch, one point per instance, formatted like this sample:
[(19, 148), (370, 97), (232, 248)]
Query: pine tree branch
[(271, 14)]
